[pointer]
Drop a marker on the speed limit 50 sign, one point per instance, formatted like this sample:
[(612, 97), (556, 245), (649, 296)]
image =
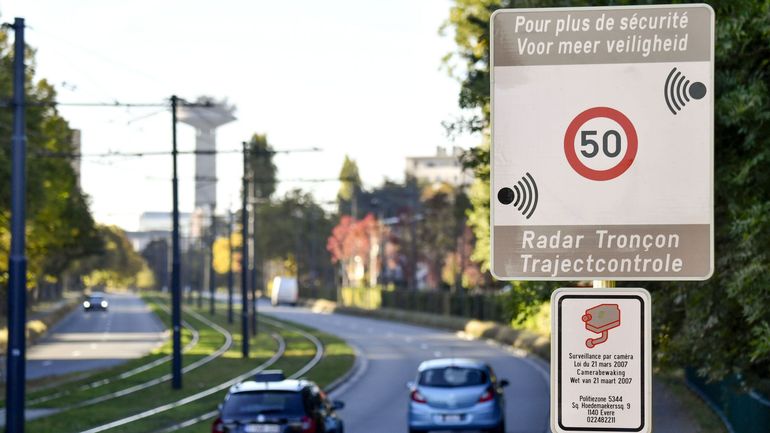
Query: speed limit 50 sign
[(602, 143)]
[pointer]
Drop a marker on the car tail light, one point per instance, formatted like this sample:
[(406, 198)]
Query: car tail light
[(308, 425), (218, 426), (488, 395), (417, 397)]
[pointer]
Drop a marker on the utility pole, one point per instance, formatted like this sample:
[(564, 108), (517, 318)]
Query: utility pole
[(176, 290), (17, 261), (413, 243), (245, 256), (202, 269), (230, 266), (254, 271), (212, 272)]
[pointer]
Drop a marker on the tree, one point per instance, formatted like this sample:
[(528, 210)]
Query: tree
[(439, 228), (729, 312), (295, 225), (222, 253), (156, 255), (261, 168), (350, 244), (350, 187), (60, 228), (117, 265)]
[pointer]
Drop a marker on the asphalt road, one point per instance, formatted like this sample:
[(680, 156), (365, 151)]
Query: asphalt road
[(85, 341), (376, 400)]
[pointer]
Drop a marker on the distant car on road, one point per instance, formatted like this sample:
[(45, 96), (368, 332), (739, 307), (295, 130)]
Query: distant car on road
[(285, 291), (456, 394), (95, 301), (270, 404)]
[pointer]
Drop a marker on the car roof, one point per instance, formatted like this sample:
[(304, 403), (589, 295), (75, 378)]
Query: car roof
[(452, 362), (284, 385)]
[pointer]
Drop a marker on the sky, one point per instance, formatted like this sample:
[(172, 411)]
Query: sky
[(362, 78)]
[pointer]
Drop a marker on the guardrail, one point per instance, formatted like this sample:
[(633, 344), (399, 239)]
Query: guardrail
[(741, 411)]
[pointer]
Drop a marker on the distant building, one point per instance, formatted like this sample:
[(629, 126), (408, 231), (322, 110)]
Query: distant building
[(152, 221), (441, 167), (158, 225)]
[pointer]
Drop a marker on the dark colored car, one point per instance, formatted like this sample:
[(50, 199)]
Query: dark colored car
[(456, 394), (266, 405), (95, 301)]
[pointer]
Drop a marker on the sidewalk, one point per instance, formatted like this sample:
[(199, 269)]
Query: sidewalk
[(40, 318)]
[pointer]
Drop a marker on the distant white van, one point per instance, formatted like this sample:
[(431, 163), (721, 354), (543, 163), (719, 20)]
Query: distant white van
[(285, 291)]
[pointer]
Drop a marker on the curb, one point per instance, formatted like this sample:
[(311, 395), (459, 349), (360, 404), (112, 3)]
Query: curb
[(535, 344), (360, 365), (51, 320)]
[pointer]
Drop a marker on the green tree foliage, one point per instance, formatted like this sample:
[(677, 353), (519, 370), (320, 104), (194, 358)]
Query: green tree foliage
[(60, 228), (117, 264), (295, 225), (262, 169), (721, 326), (350, 187), (443, 209)]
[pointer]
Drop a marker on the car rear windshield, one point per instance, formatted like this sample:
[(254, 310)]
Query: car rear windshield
[(249, 404), (449, 377)]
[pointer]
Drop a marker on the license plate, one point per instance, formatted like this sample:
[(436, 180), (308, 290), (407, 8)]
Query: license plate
[(262, 428), (453, 418)]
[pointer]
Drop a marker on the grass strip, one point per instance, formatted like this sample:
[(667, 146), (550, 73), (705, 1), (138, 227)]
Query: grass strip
[(338, 359), (209, 341), (215, 372)]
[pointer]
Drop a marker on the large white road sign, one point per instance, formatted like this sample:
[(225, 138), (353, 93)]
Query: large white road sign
[(600, 361), (602, 143)]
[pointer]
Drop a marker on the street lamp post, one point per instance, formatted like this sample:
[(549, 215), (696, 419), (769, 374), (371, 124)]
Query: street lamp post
[(17, 261), (230, 267), (245, 256), (176, 293), (212, 271)]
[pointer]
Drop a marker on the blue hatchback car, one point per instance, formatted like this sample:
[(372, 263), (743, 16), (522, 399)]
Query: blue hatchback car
[(456, 394)]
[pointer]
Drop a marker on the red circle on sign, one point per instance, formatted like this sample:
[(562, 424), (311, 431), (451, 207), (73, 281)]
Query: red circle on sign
[(625, 161)]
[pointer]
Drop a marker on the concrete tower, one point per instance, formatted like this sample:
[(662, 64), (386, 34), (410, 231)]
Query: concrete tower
[(206, 120)]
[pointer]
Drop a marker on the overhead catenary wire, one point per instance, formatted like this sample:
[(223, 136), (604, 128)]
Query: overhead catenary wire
[(141, 154)]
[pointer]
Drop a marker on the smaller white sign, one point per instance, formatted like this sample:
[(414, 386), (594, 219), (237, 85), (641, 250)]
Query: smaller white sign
[(601, 359)]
